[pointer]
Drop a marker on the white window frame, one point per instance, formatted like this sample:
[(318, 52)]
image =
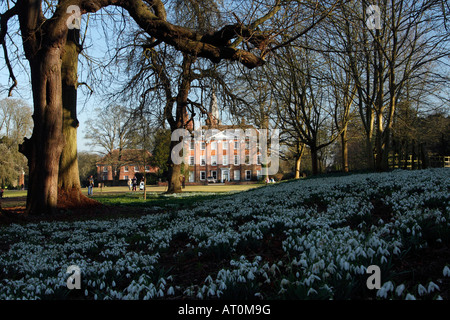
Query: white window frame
[(192, 144), (214, 174), (202, 145), (214, 160), (224, 145), (236, 160), (202, 173), (105, 169), (238, 175), (125, 169), (225, 159), (247, 178), (203, 161), (191, 160), (136, 168)]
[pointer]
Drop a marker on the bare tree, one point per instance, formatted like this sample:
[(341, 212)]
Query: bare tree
[(44, 38)]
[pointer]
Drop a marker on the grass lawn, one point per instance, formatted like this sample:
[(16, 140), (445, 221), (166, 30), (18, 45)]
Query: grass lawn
[(123, 196)]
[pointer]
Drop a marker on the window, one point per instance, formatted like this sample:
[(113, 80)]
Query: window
[(214, 160), (125, 177), (236, 160), (258, 159), (191, 160), (125, 169), (214, 145), (105, 169), (191, 176), (202, 161), (136, 169), (147, 168), (225, 145), (247, 144), (203, 145), (247, 159), (214, 174), (248, 174), (202, 175), (192, 144), (236, 143), (258, 174), (225, 160), (237, 175)]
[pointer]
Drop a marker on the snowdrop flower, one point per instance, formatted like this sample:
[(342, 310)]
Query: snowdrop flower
[(432, 286), (421, 290), (400, 290), (284, 282), (311, 291), (446, 271), (410, 297)]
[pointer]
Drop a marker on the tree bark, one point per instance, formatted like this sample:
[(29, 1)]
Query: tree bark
[(43, 149), (181, 122), (314, 161), (298, 160), (69, 187)]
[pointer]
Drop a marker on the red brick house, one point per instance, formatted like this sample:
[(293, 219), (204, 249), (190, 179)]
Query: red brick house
[(225, 157), (120, 165)]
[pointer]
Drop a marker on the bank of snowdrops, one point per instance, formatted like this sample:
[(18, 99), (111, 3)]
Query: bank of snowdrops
[(307, 239)]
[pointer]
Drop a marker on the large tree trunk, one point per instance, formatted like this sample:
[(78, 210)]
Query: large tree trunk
[(298, 160), (182, 122), (314, 161), (379, 143), (43, 149), (174, 183), (69, 187)]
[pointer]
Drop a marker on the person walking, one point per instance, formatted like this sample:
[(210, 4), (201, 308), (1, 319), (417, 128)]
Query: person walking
[(129, 184), (134, 182), (91, 186)]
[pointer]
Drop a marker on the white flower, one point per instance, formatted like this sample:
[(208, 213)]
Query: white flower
[(432, 286), (410, 297), (400, 289), (446, 271), (421, 290)]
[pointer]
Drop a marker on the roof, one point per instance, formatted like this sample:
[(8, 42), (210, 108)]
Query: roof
[(126, 156)]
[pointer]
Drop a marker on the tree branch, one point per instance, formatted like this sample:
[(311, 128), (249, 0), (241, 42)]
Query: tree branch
[(4, 18)]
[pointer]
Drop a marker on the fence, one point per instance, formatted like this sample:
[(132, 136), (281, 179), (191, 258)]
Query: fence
[(411, 162)]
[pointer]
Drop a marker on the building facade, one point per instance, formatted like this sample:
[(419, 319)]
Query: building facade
[(223, 152), (118, 166)]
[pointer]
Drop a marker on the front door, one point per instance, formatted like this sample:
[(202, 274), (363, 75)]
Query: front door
[(225, 175)]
